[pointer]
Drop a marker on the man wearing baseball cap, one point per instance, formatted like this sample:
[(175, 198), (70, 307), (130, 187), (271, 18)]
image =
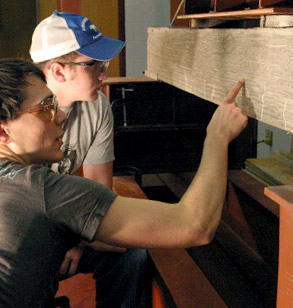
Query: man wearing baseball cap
[(74, 55)]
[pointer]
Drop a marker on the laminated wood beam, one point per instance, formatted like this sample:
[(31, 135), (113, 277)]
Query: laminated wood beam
[(208, 62)]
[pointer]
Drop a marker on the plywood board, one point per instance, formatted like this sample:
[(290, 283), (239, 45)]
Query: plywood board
[(208, 62), (270, 170), (285, 158)]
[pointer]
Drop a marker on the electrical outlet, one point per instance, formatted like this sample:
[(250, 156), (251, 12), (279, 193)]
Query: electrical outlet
[(269, 137)]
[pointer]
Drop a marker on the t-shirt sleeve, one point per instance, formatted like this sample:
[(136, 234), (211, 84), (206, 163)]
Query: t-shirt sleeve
[(76, 203), (101, 150)]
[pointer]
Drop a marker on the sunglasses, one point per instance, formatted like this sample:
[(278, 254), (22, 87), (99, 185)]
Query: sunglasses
[(101, 65), (46, 110)]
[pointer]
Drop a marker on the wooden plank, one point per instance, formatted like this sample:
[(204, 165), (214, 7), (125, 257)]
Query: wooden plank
[(117, 80), (254, 13), (69, 6), (184, 279), (263, 275), (270, 170), (186, 282), (253, 188), (208, 62), (127, 188), (105, 88), (249, 184), (285, 158), (80, 289), (151, 75), (284, 196)]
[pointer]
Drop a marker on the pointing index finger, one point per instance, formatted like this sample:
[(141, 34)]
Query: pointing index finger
[(234, 92)]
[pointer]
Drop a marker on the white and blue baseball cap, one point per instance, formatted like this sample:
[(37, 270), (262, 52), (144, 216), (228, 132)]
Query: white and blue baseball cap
[(62, 33)]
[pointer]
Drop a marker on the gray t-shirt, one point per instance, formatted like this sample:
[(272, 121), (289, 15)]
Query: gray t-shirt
[(88, 137), (42, 215)]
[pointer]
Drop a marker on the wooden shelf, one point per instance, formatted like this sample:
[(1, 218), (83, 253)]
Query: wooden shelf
[(118, 80), (241, 14)]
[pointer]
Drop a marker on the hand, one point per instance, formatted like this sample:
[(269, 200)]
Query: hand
[(228, 120), (71, 260), (104, 247), (72, 257)]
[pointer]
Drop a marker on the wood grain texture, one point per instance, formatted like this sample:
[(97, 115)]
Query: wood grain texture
[(208, 62), (186, 282)]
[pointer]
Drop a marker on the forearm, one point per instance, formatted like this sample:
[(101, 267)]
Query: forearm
[(193, 221), (203, 201)]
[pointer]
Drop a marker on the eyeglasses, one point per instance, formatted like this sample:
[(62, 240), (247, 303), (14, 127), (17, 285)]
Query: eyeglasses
[(47, 109), (101, 65)]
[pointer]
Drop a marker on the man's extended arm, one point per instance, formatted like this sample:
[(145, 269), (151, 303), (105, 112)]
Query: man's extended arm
[(192, 221)]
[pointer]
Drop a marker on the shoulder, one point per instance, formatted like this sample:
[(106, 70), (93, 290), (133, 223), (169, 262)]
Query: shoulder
[(26, 178), (73, 185)]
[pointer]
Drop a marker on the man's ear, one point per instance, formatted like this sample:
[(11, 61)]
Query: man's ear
[(57, 72), (4, 136)]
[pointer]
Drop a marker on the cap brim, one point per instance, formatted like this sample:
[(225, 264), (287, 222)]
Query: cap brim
[(104, 49)]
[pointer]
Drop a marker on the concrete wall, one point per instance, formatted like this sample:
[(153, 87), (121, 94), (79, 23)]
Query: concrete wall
[(139, 15)]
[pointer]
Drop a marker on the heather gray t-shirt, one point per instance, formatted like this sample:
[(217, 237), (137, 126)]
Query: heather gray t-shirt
[(88, 137), (42, 215)]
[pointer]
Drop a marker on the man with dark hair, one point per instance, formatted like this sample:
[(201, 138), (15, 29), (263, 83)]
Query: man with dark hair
[(44, 214), (74, 56)]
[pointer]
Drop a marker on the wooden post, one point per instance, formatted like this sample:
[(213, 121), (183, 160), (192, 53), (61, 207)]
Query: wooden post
[(284, 196), (71, 6)]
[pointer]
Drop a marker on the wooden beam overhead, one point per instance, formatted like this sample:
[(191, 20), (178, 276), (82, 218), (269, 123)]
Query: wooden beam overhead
[(246, 14), (208, 62)]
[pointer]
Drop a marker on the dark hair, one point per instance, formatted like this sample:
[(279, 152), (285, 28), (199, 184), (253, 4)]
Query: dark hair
[(14, 75)]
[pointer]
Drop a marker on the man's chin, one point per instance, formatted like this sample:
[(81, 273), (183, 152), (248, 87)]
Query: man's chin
[(56, 158)]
